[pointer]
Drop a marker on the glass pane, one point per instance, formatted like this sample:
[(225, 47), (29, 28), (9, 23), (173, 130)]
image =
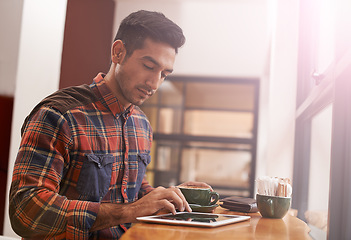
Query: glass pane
[(233, 192), (166, 167), (216, 167), (167, 156), (220, 95), (151, 165), (217, 123), (318, 197), (151, 113), (170, 121), (325, 42), (150, 176), (214, 145), (171, 93)]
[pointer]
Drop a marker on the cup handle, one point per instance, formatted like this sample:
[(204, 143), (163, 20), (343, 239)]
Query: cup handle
[(215, 196)]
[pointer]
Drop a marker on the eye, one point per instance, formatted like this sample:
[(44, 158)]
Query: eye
[(148, 67)]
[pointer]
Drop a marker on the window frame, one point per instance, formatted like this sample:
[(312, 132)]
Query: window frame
[(314, 93), (183, 138)]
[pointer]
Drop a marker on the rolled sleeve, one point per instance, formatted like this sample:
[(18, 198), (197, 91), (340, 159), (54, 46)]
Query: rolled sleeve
[(37, 210), (81, 216)]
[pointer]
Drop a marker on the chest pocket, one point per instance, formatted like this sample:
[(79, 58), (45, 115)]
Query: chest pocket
[(141, 160), (95, 176)]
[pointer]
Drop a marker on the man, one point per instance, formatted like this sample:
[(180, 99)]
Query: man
[(80, 168)]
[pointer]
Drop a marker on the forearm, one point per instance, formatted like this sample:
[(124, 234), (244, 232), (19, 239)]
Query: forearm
[(41, 213), (113, 214)]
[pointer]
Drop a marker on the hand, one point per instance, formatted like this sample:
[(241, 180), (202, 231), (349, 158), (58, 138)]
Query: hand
[(160, 198), (197, 184), (112, 214)]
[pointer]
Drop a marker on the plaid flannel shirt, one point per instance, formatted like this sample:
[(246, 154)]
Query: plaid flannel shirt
[(79, 148)]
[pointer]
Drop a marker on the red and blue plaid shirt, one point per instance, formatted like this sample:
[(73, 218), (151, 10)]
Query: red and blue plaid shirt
[(79, 148)]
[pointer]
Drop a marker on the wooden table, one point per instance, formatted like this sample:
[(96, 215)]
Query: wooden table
[(257, 227)]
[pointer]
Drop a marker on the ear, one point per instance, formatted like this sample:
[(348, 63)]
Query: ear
[(117, 51)]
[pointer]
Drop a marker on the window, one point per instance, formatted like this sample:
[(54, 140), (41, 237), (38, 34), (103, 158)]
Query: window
[(322, 157), (205, 129)]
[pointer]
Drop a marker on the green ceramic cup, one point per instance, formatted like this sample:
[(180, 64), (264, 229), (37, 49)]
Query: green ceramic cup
[(200, 196), (273, 207)]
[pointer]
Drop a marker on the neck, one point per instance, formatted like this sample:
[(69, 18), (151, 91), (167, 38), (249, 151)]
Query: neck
[(112, 84)]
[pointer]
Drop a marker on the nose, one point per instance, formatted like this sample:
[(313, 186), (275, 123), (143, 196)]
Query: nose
[(153, 82)]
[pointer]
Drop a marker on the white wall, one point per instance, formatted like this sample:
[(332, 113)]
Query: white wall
[(38, 70), (10, 27), (223, 38), (281, 89)]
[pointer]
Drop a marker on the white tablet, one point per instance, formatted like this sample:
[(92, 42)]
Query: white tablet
[(194, 219)]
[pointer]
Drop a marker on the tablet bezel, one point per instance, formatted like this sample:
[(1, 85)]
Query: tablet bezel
[(157, 219)]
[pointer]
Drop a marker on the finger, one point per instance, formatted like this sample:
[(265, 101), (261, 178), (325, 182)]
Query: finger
[(168, 205), (185, 204), (187, 207), (177, 198), (174, 196)]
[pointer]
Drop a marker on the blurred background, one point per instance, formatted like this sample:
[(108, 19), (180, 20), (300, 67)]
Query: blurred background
[(258, 89)]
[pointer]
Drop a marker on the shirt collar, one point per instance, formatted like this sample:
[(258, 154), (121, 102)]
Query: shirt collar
[(110, 100)]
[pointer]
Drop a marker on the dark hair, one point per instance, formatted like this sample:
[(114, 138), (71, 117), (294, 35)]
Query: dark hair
[(138, 26)]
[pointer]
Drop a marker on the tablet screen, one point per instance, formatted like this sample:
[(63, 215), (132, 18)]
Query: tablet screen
[(195, 219)]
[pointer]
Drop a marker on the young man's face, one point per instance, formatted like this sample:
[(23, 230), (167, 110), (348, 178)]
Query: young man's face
[(139, 76)]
